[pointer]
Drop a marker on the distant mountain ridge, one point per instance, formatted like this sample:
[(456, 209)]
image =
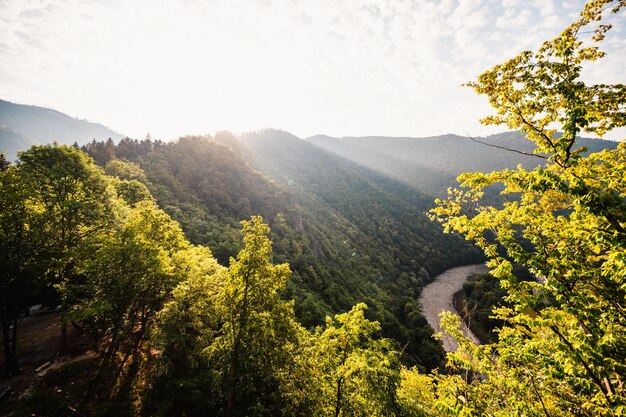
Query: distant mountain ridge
[(432, 164), (22, 126)]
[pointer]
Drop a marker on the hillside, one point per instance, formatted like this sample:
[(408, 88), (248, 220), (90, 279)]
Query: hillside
[(22, 126), (387, 210), (349, 234), (432, 164)]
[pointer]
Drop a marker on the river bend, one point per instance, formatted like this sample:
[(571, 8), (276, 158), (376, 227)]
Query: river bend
[(437, 297)]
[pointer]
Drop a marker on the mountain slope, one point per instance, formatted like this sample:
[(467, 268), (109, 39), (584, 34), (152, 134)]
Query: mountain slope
[(22, 126), (405, 248), (431, 164), (349, 235), (374, 202)]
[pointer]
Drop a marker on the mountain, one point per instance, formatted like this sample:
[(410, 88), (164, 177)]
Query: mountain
[(349, 234), (432, 164), (372, 201), (22, 126)]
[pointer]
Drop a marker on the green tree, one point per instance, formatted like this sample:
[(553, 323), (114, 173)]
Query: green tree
[(18, 263), (258, 339), (125, 170), (358, 373), (228, 342), (564, 342), (129, 181), (416, 394), (4, 164), (126, 281), (184, 381), (74, 204)]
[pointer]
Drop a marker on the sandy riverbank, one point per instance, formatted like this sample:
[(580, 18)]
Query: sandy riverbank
[(437, 297)]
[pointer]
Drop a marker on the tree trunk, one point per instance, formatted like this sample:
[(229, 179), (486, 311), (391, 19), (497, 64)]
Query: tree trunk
[(338, 398), (232, 395), (234, 363), (9, 343), (63, 344), (63, 291)]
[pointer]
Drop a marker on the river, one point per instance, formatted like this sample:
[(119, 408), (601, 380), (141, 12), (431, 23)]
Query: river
[(437, 297)]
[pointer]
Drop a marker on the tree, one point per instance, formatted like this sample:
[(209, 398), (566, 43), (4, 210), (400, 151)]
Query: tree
[(229, 344), (4, 164), (259, 336), (126, 280), (74, 203), (18, 263), (416, 394), (184, 381), (358, 373), (564, 341)]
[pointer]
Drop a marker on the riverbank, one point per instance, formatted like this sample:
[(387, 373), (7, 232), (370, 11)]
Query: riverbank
[(438, 296)]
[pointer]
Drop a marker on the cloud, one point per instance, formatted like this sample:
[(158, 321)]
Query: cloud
[(344, 68)]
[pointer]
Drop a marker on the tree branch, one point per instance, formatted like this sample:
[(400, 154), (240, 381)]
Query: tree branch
[(503, 147)]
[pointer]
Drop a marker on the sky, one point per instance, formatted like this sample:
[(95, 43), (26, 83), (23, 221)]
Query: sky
[(338, 67)]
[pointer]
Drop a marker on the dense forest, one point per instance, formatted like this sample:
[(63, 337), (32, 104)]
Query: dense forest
[(266, 275), (349, 234), (124, 271)]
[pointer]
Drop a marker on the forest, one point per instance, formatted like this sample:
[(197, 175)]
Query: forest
[(265, 275)]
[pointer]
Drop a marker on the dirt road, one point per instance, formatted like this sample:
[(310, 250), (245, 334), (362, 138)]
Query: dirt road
[(437, 297)]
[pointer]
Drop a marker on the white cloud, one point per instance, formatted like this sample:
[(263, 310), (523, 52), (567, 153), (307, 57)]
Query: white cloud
[(546, 7), (510, 3), (345, 68)]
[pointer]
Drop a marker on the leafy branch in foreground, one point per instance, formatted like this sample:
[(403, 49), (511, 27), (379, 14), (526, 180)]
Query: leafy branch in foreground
[(564, 341)]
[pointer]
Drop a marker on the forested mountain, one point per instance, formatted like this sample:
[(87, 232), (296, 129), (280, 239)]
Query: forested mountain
[(432, 164), (388, 211), (22, 126), (173, 297), (349, 234)]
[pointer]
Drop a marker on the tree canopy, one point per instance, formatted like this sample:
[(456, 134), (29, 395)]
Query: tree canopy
[(564, 338)]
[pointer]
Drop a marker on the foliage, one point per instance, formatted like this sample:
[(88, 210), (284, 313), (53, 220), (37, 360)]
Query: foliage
[(127, 279), (348, 234), (125, 170), (358, 374), (4, 163), (259, 335), (230, 344), (73, 196), (19, 266), (416, 393), (176, 332), (185, 327), (564, 342), (537, 91), (54, 202), (229, 333), (130, 182)]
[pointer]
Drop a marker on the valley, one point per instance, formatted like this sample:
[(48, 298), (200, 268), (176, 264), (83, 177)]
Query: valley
[(353, 231), (309, 270)]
